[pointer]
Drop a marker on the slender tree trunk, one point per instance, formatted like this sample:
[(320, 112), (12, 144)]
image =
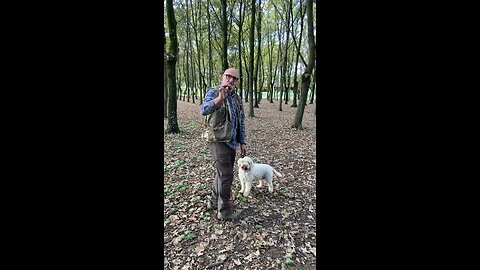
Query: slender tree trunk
[(259, 41), (289, 88), (270, 67), (308, 70), (250, 80), (285, 60), (165, 81), (195, 62), (186, 72), (181, 70), (201, 59), (224, 35), (240, 37), (247, 90), (262, 78), (295, 82), (210, 61), (172, 54), (313, 85), (165, 90)]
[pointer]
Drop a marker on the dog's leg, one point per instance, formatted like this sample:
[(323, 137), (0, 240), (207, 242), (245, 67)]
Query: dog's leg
[(248, 187), (260, 183), (242, 183), (270, 184)]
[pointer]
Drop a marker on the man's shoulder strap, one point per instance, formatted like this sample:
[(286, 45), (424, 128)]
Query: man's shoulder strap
[(239, 101)]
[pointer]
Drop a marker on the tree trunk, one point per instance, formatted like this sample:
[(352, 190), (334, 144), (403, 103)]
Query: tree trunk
[(285, 60), (283, 67), (259, 27), (210, 61), (262, 80), (172, 54), (165, 81), (295, 82), (313, 85), (224, 35), (247, 92), (240, 37), (201, 60), (308, 70), (270, 68), (250, 79)]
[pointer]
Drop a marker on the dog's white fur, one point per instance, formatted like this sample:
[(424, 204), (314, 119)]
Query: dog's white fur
[(249, 172)]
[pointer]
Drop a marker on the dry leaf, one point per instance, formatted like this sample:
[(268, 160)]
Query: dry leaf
[(221, 258), (200, 248), (188, 173), (178, 239), (313, 250)]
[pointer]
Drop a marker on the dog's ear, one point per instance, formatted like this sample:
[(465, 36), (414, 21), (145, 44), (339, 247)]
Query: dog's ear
[(239, 161)]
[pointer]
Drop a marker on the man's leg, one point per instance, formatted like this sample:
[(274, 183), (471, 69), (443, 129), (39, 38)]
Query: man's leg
[(224, 158)]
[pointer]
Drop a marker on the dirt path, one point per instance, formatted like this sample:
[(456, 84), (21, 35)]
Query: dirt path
[(278, 229)]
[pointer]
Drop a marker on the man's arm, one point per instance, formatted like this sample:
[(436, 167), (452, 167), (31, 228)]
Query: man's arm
[(213, 98), (208, 104)]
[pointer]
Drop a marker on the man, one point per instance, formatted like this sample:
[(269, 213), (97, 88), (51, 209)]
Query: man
[(225, 133)]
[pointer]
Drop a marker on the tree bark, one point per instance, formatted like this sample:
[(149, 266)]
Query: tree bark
[(285, 61), (308, 70), (259, 41), (224, 35), (313, 85), (165, 81), (295, 82), (240, 37), (250, 79), (172, 54), (210, 61)]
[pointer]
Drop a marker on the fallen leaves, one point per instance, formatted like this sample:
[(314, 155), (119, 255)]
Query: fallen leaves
[(200, 248), (273, 225)]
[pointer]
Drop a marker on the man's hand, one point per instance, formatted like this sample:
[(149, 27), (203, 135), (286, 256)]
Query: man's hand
[(223, 92), (243, 150)]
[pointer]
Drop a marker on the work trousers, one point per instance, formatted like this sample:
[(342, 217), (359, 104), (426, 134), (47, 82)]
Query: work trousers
[(223, 161)]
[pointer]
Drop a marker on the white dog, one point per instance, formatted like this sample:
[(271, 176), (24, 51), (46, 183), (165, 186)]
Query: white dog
[(249, 172)]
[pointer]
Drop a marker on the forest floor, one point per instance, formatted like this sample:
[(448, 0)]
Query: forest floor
[(277, 230)]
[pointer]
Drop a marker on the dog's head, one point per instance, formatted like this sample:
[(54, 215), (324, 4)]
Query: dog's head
[(245, 163)]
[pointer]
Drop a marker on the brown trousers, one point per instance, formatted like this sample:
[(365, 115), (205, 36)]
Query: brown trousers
[(224, 160)]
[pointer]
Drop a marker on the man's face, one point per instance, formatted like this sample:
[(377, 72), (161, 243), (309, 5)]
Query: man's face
[(230, 78)]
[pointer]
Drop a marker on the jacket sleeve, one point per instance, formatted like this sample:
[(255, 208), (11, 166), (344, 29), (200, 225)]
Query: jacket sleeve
[(208, 106)]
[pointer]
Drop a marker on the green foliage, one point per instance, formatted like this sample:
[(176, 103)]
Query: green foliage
[(167, 192), (189, 235), (195, 198), (180, 186), (241, 198), (206, 216), (288, 259)]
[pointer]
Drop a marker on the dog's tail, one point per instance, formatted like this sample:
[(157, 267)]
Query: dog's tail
[(277, 173)]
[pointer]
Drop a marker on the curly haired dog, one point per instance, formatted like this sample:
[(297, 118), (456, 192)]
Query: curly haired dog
[(249, 172)]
